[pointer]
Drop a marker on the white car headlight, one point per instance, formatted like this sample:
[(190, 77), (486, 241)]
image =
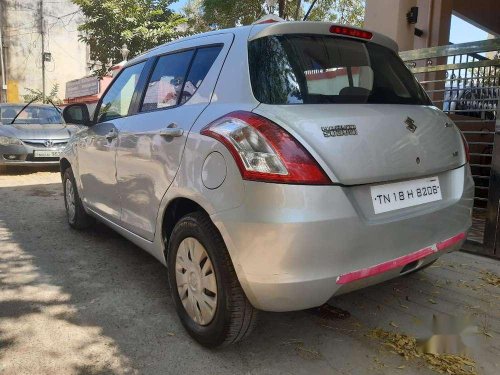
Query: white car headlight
[(7, 141)]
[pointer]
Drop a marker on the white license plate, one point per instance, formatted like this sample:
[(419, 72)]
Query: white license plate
[(390, 197), (47, 154)]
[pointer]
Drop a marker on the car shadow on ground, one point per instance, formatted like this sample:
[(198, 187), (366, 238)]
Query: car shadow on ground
[(92, 302), (15, 170)]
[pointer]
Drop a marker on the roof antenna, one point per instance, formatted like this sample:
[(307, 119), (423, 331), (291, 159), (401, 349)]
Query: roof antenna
[(309, 10)]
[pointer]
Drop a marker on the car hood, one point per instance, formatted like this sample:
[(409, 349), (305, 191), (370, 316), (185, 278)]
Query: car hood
[(39, 131)]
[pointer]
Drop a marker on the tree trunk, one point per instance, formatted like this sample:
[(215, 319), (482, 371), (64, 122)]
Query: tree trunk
[(281, 8)]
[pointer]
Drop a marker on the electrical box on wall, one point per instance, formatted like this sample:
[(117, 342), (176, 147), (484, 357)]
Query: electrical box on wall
[(412, 15)]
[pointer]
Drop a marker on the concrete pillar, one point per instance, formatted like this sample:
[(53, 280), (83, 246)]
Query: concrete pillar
[(389, 17), (436, 33), (441, 22)]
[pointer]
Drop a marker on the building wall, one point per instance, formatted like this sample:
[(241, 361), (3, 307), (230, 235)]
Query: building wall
[(389, 18), (434, 19), (20, 22)]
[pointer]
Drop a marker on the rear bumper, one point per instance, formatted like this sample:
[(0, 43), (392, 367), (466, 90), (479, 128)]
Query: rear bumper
[(294, 247)]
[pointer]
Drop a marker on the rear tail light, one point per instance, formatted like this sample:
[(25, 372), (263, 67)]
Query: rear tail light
[(466, 147), (350, 31), (264, 151)]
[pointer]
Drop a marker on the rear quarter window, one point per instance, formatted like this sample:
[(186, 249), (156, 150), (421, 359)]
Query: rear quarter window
[(177, 76), (202, 63), (315, 69), (167, 81)]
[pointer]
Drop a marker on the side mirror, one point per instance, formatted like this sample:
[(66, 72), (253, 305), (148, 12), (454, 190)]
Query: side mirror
[(77, 114)]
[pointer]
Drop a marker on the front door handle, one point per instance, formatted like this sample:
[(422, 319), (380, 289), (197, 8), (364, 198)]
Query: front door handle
[(172, 131), (112, 134)]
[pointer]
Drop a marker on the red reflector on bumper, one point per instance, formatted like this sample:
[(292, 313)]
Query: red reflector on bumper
[(450, 241), (399, 262)]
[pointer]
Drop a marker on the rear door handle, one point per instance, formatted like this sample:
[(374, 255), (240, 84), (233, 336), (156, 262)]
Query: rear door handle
[(172, 131), (112, 134)]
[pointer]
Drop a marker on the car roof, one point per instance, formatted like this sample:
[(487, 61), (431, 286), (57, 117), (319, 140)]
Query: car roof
[(255, 31), (157, 50)]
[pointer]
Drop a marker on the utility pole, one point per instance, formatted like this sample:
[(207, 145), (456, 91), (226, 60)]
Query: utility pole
[(42, 33)]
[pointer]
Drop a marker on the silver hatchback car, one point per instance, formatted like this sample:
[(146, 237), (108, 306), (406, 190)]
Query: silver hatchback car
[(270, 167)]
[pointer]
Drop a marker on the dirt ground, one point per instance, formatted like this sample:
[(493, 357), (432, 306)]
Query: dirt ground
[(93, 303)]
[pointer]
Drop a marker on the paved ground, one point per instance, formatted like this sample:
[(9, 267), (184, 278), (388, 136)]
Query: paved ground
[(93, 303)]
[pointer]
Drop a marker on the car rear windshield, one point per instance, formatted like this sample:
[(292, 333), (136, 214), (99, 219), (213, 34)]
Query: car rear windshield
[(316, 69)]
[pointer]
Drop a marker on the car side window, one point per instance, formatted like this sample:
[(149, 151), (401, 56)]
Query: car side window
[(167, 80), (116, 102), (202, 63)]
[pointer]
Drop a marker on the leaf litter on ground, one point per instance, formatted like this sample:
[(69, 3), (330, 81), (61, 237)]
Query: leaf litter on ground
[(406, 346), (490, 277)]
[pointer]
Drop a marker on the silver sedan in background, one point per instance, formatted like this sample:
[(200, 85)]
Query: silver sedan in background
[(32, 135)]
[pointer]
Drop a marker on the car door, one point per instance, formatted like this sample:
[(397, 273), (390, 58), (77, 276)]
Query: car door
[(97, 150), (151, 142)]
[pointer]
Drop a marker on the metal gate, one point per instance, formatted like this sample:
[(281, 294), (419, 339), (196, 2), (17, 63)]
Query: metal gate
[(464, 81)]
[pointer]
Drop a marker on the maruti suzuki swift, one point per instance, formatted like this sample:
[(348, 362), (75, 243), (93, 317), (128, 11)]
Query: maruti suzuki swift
[(270, 167)]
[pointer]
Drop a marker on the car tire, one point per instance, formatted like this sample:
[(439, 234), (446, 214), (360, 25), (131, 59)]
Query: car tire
[(233, 317), (77, 217)]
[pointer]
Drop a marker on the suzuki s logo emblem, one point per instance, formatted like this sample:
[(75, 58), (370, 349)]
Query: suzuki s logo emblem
[(48, 143), (410, 124)]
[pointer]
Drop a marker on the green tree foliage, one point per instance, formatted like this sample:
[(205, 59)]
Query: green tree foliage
[(206, 14), (350, 12), (37, 95), (227, 13), (194, 14), (141, 24)]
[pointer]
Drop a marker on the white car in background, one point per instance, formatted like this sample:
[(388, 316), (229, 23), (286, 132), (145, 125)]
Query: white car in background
[(307, 162)]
